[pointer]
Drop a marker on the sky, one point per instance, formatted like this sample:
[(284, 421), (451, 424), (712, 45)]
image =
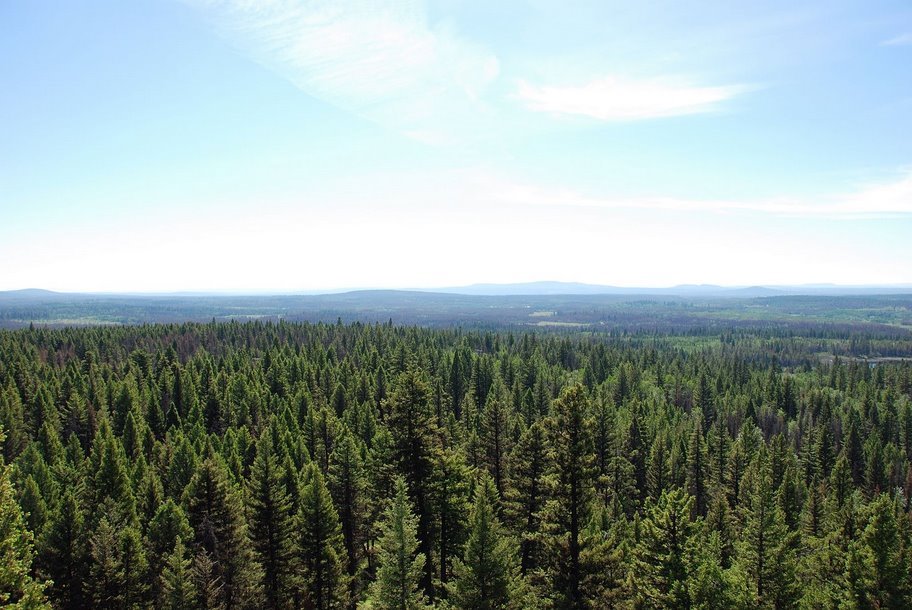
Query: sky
[(300, 145)]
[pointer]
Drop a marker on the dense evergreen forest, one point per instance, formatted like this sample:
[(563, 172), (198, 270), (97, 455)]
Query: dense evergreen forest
[(331, 466)]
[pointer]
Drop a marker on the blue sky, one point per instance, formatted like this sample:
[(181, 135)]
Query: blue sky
[(282, 145)]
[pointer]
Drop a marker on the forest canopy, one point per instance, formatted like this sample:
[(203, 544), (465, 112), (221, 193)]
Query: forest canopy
[(332, 466)]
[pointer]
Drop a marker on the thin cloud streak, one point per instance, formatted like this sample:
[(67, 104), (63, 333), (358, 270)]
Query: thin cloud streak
[(898, 41), (380, 60), (621, 99), (887, 200)]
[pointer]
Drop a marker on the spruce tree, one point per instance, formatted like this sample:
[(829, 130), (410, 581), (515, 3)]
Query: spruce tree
[(18, 587), (766, 551), (485, 579), (667, 530), (348, 485), (321, 548), (216, 516), (657, 470), (527, 496), (450, 501), (168, 524), (416, 444), (177, 588), (64, 553), (496, 439), (697, 485), (106, 576), (881, 578), (572, 489), (271, 525), (401, 566)]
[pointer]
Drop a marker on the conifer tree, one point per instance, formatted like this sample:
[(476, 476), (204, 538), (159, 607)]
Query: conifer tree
[(766, 550), (207, 582), (349, 486), (485, 579), (109, 475), (18, 587), (880, 576), (791, 496), (572, 489), (168, 524), (635, 451), (416, 444), (106, 576), (667, 530), (321, 549), (215, 514), (133, 568), (657, 469), (528, 494), (401, 566), (33, 506), (718, 445), (64, 553), (496, 439), (181, 466), (719, 522), (697, 470), (177, 588), (450, 502), (852, 447), (271, 525)]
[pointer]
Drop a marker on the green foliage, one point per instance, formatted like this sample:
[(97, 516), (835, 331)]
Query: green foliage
[(321, 550), (177, 588), (666, 535), (18, 588), (215, 514), (290, 465), (485, 579), (569, 508), (401, 566), (271, 525)]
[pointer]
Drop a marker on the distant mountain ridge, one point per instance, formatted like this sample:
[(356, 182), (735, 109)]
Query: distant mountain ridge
[(681, 290), (541, 288)]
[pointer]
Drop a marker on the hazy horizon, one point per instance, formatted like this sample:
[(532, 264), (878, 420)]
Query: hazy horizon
[(256, 146), (503, 289)]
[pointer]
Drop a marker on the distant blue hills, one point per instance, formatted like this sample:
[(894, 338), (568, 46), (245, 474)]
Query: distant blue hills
[(681, 290), (542, 288)]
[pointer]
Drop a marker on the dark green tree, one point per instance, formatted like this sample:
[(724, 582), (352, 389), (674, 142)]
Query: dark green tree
[(416, 445), (178, 591), (662, 565), (486, 577), (64, 553), (766, 551), (349, 487), (18, 587), (527, 495), (321, 548), (271, 525), (401, 565), (215, 513), (569, 508)]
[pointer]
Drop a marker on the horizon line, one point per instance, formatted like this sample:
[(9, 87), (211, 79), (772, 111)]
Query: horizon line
[(474, 286)]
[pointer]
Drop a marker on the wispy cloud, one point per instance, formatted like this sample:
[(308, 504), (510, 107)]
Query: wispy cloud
[(897, 41), (622, 99), (379, 59), (886, 200)]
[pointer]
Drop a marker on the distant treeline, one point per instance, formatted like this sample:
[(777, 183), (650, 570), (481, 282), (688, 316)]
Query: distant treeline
[(887, 316)]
